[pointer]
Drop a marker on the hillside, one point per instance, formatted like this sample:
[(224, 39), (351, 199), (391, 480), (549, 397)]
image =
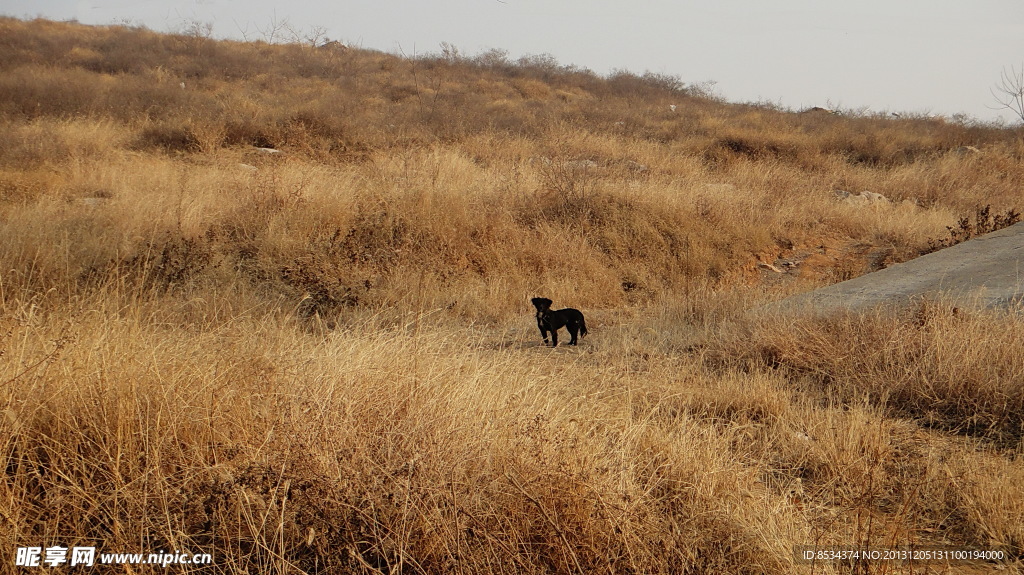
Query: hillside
[(271, 302)]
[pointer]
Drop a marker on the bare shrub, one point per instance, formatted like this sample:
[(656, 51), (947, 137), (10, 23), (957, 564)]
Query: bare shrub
[(984, 222), (169, 137), (1009, 91)]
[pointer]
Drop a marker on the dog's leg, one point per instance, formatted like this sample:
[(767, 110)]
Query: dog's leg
[(554, 338), (573, 330)]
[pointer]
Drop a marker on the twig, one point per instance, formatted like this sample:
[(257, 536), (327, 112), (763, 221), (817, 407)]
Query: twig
[(544, 512)]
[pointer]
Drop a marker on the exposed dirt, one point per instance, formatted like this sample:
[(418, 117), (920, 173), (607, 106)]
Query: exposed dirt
[(827, 261)]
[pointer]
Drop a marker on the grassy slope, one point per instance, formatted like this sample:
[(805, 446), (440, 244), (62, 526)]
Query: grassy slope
[(323, 359)]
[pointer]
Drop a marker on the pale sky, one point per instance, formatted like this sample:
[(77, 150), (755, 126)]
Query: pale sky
[(920, 56)]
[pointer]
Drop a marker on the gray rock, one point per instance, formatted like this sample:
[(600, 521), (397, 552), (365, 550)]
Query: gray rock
[(864, 198), (966, 151), (581, 164)]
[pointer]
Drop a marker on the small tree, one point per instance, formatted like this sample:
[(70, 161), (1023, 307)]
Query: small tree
[(1009, 92), (276, 30), (317, 36)]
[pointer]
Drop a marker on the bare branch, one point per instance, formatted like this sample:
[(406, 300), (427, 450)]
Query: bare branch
[(1009, 92), (244, 33), (317, 36), (274, 31), (294, 35)]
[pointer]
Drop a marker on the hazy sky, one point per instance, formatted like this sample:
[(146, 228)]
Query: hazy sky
[(934, 56)]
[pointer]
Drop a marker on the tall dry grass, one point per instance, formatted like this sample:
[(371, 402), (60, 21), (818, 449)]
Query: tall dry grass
[(947, 367), (346, 234), (322, 360), (428, 449)]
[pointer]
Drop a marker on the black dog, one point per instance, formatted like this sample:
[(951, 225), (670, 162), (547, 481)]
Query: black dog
[(548, 320)]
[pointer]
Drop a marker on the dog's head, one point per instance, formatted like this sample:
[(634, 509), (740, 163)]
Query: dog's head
[(542, 304)]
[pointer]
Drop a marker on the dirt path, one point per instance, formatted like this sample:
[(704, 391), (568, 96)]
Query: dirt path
[(986, 271)]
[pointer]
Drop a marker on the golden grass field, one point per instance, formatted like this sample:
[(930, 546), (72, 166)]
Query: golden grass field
[(324, 360)]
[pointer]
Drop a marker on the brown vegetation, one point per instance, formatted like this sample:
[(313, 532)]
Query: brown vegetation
[(323, 359)]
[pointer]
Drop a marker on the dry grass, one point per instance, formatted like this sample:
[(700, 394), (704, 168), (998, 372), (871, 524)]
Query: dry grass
[(322, 360), (945, 367)]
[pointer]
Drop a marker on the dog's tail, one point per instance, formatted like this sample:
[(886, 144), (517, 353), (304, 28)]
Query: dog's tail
[(583, 327)]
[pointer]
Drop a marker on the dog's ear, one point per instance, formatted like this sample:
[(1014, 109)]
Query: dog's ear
[(541, 303)]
